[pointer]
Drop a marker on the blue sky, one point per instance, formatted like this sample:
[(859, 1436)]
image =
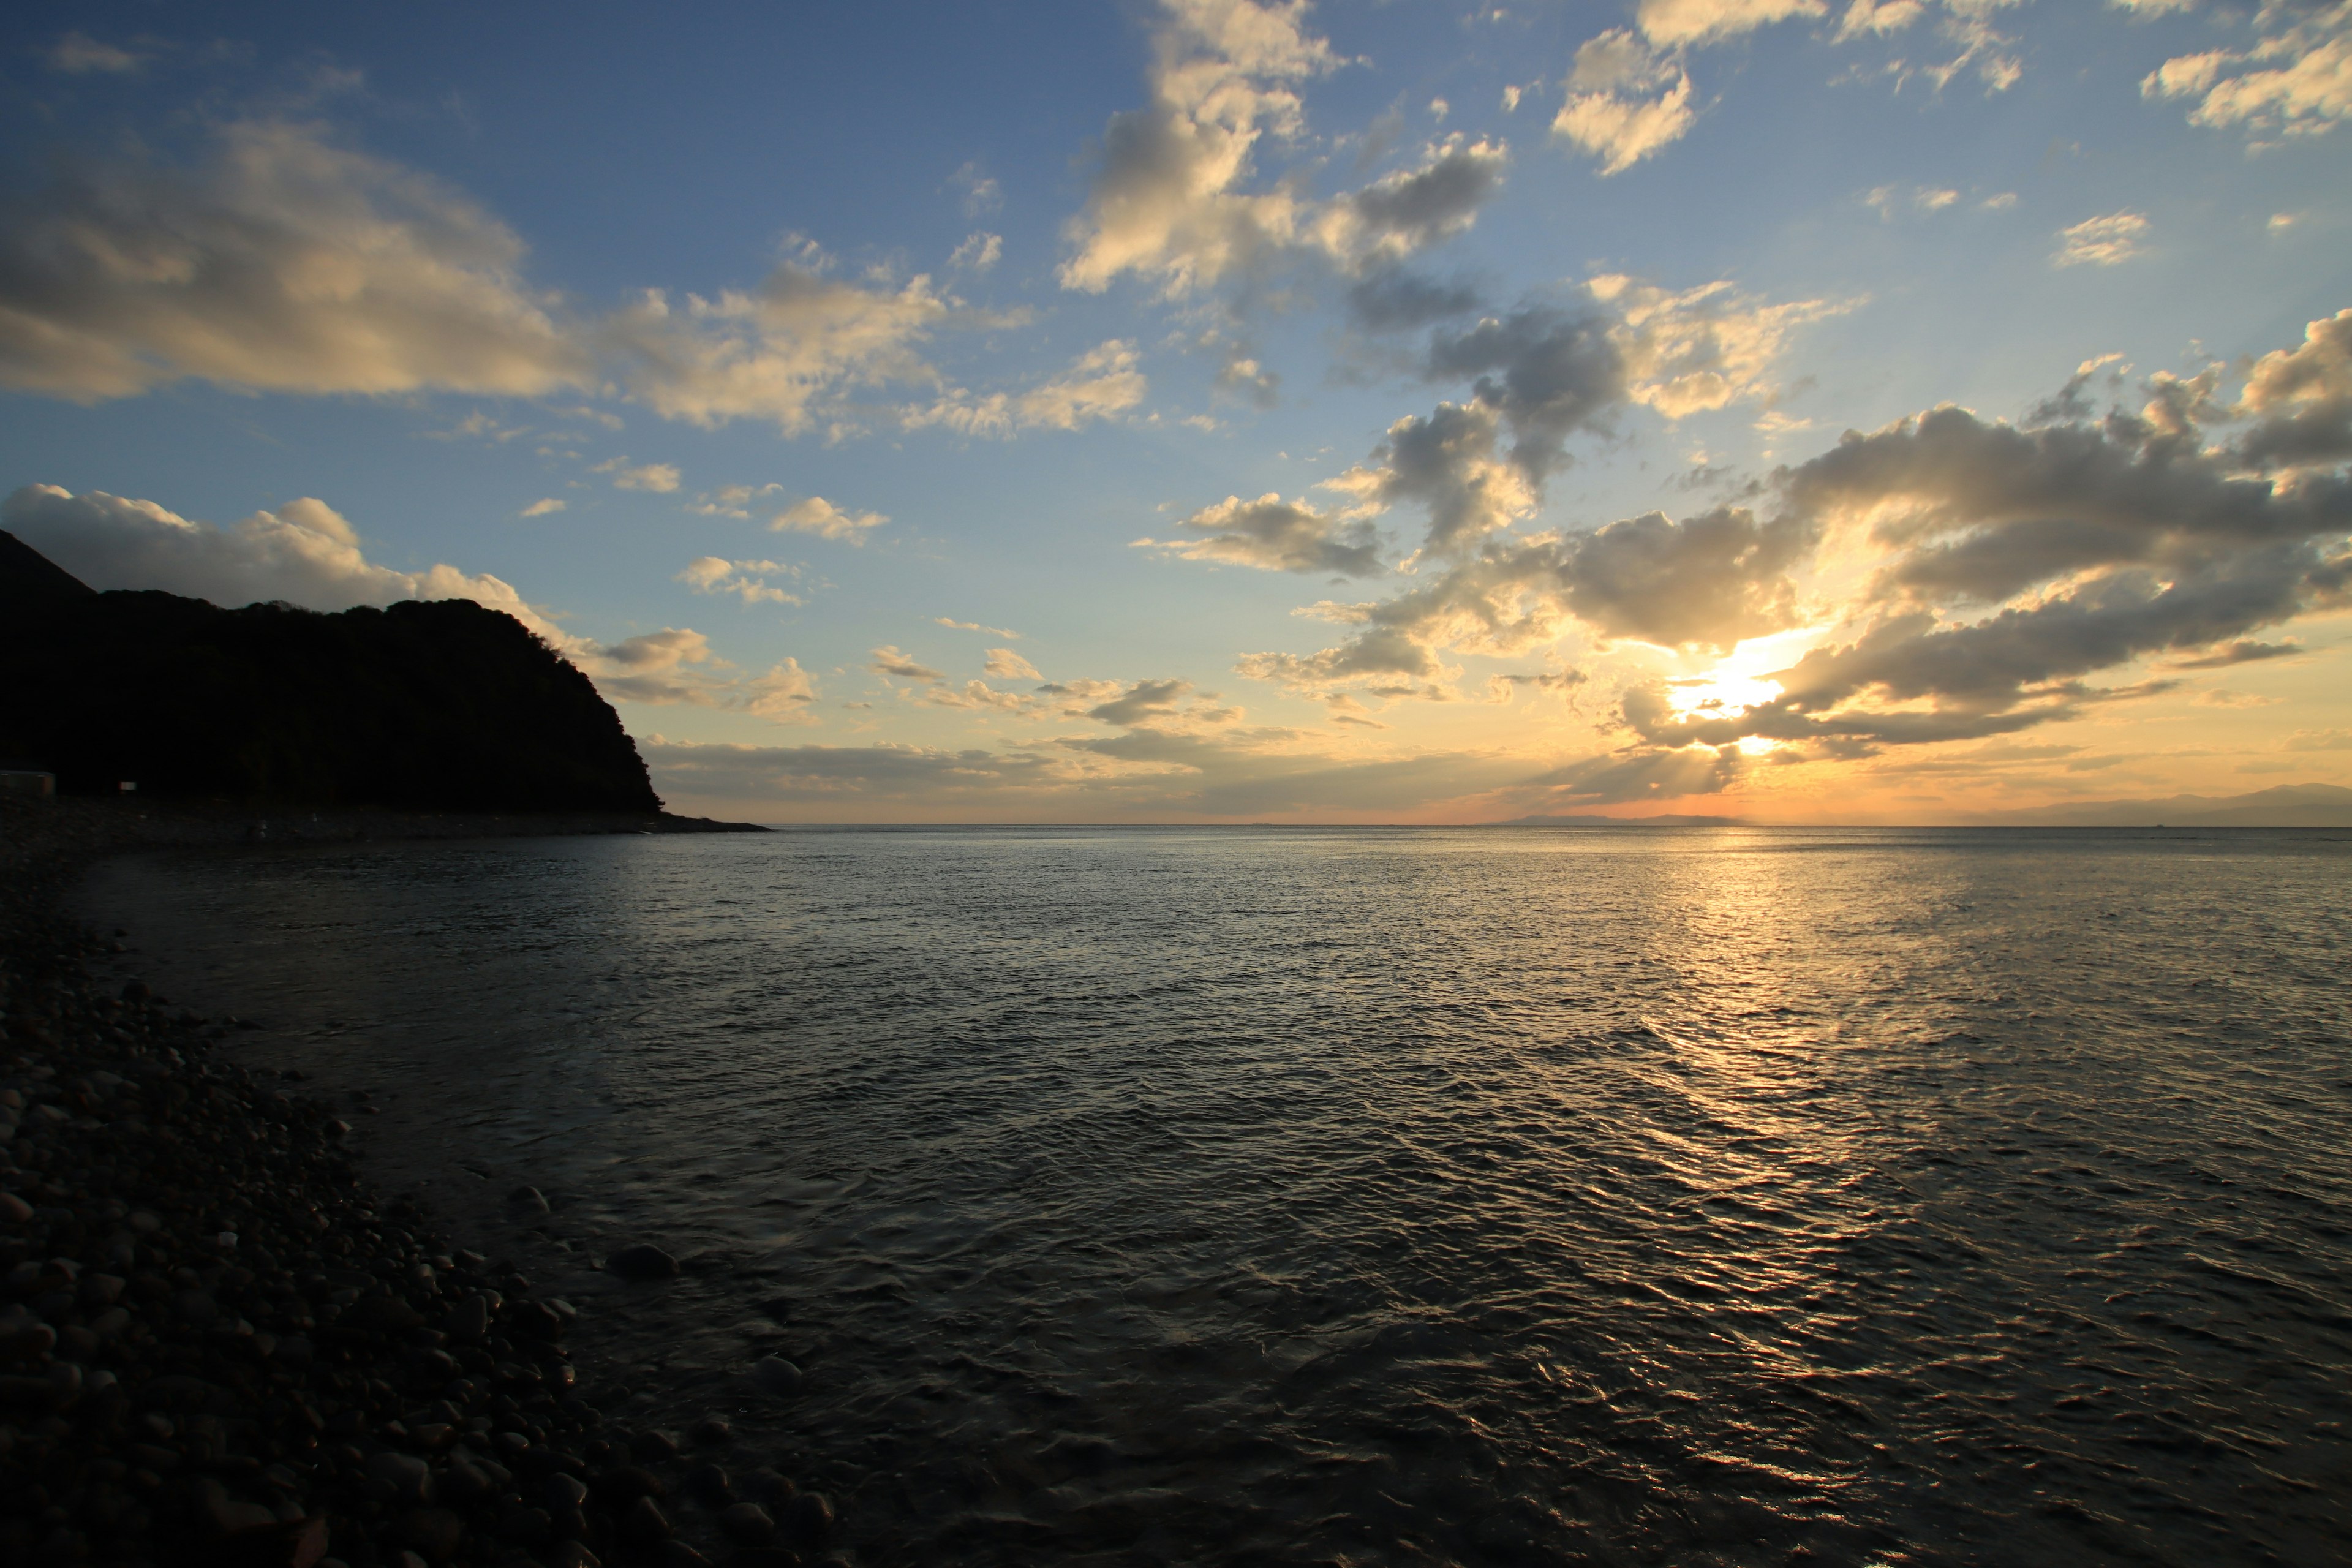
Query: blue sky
[(1213, 411)]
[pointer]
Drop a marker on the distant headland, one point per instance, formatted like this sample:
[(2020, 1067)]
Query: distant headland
[(438, 707)]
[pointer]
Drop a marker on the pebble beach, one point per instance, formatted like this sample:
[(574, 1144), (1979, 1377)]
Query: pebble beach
[(222, 1345)]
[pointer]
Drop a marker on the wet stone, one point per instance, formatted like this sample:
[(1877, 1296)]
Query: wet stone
[(643, 1261)]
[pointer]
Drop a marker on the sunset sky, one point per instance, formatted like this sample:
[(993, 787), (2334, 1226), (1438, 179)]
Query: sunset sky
[(1895, 411)]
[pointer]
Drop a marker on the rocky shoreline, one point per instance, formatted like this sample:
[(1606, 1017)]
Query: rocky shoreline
[(219, 1345)]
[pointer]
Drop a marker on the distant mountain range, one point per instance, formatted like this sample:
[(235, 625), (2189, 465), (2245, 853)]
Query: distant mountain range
[(2287, 805), (1662, 820)]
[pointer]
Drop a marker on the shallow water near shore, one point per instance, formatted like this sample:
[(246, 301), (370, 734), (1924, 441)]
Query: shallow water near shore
[(1364, 1195)]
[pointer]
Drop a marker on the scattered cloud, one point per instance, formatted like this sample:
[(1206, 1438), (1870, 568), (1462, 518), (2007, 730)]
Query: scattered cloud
[(675, 666), (282, 263), (982, 194), (79, 54), (819, 516), (746, 580), (785, 351), (1276, 535), (1174, 200), (1101, 384), (1006, 665), (1625, 100), (976, 626), (2293, 80), (978, 253), (1674, 22), (889, 660), (304, 553), (2101, 241), (544, 506), (660, 477)]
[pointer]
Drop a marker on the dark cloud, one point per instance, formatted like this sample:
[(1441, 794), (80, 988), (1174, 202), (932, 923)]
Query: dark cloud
[(1642, 775), (1397, 301), (1145, 700), (889, 660), (1545, 373), (1277, 535), (2240, 653), (1710, 580)]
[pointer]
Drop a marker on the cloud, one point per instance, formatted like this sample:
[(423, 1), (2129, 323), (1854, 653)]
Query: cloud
[(1099, 385), (2101, 241), (675, 666), (282, 263), (981, 193), (2295, 79), (1394, 300), (1543, 374), (79, 54), (2304, 396), (1674, 22), (1709, 581), (304, 553), (1141, 703), (976, 626), (1412, 209), (889, 660), (1276, 535), (746, 580), (544, 506), (1703, 347), (661, 478), (978, 253), (819, 516), (2236, 653), (1006, 665), (1171, 201), (1625, 100), (785, 351)]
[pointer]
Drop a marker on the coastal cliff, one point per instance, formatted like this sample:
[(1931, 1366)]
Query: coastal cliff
[(441, 705)]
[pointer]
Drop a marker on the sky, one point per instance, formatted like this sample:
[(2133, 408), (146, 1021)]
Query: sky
[(1902, 410)]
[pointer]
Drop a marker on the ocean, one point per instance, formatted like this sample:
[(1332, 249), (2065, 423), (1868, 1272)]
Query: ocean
[(1363, 1195)]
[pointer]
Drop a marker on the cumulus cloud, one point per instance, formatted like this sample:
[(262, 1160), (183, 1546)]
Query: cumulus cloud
[(1629, 93), (544, 506), (2015, 565), (1006, 665), (282, 263), (1625, 100), (1705, 21), (1277, 535), (1101, 384), (1543, 374), (2293, 80), (819, 516), (303, 552), (1174, 201), (661, 478), (781, 350), (889, 660), (2101, 241), (1705, 348), (746, 580)]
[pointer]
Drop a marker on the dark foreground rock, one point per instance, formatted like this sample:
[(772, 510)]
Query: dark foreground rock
[(218, 1347)]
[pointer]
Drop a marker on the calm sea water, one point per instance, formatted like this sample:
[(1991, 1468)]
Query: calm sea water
[(1376, 1196)]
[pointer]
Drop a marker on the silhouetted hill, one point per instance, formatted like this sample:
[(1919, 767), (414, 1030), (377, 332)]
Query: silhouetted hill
[(2285, 805), (440, 705)]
